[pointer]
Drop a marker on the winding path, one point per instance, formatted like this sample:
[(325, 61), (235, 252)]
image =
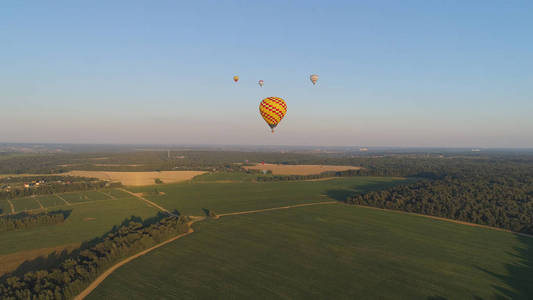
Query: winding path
[(108, 272)]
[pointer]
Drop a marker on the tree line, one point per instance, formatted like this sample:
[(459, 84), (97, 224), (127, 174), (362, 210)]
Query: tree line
[(78, 270), (25, 220)]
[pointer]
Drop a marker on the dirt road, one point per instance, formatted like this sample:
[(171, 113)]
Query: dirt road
[(108, 272), (274, 208), (149, 202)]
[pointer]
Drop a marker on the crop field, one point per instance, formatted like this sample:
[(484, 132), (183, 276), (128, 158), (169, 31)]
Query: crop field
[(87, 220), (192, 198), (34, 203), (225, 177), (49, 200), (27, 203), (95, 212), (300, 169), (85, 196), (330, 251), (138, 178), (5, 208), (117, 193)]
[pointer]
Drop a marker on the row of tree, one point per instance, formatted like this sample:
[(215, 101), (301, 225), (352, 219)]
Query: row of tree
[(44, 179), (57, 187), (498, 200), (77, 271), (326, 174), (25, 220)]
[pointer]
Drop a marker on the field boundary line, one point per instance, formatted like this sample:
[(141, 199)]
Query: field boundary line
[(148, 201), (40, 204), (12, 206), (109, 271), (275, 208), (66, 202), (446, 220), (109, 195)]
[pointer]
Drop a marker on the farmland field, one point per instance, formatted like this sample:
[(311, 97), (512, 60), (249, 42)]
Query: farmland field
[(50, 200), (330, 251), (27, 203), (84, 196), (191, 198), (5, 208), (58, 200), (87, 220), (138, 178), (96, 212)]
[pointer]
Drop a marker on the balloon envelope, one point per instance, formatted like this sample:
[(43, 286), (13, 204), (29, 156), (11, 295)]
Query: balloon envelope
[(273, 109), (261, 82), (313, 78), (235, 78)]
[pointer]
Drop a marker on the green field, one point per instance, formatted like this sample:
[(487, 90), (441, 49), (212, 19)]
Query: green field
[(4, 207), (87, 221), (50, 200), (84, 196), (27, 203), (117, 193), (94, 213), (190, 198), (330, 252), (225, 177), (55, 201)]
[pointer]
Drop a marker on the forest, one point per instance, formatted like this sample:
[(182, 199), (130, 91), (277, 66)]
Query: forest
[(487, 196), (80, 268)]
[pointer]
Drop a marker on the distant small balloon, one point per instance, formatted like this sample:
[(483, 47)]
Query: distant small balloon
[(261, 82), (314, 78), (235, 78)]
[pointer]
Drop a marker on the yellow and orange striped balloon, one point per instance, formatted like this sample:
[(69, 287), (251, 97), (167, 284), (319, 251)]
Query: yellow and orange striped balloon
[(273, 109)]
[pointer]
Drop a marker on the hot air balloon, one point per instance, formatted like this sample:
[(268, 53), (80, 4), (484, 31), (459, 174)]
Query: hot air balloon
[(261, 82), (273, 109), (235, 78), (313, 78)]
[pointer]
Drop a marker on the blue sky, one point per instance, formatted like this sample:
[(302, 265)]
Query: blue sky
[(392, 73)]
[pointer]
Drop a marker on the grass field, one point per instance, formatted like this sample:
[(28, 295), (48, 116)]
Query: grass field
[(225, 177), (51, 202), (27, 203), (5, 208), (96, 212), (334, 252), (85, 196), (191, 198), (87, 221)]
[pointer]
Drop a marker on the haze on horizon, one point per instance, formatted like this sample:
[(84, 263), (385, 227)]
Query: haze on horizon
[(429, 74)]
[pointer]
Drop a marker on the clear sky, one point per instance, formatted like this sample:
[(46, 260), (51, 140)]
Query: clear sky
[(392, 73)]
